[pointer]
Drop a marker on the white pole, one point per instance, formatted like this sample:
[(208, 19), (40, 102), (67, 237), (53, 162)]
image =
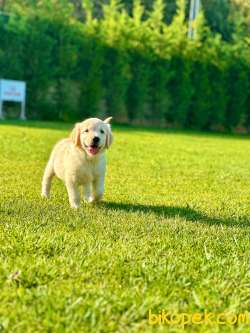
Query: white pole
[(196, 12), (1, 109), (193, 12), (1, 102), (22, 115), (197, 7), (191, 15)]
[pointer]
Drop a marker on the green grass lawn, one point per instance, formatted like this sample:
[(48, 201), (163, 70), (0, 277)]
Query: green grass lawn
[(172, 234)]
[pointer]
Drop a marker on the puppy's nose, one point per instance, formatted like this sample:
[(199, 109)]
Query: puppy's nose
[(96, 140)]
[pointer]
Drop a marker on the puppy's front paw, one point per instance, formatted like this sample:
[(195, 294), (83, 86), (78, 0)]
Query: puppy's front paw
[(45, 195), (88, 198), (74, 205), (96, 198)]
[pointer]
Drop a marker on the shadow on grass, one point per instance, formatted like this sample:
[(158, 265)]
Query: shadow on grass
[(186, 213)]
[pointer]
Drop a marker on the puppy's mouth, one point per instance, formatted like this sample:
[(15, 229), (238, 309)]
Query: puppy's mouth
[(92, 149)]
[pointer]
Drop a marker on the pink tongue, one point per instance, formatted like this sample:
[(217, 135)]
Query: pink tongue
[(93, 150)]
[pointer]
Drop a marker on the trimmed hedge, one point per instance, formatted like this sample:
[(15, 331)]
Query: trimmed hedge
[(137, 69)]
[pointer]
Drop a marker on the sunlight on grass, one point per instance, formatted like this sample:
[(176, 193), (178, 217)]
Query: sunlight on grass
[(172, 233)]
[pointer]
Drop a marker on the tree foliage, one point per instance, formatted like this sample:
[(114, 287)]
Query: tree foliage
[(131, 64)]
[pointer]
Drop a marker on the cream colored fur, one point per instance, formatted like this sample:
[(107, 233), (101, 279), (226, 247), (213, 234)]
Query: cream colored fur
[(71, 161)]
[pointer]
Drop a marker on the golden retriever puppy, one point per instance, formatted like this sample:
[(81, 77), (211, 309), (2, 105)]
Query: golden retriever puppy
[(80, 161)]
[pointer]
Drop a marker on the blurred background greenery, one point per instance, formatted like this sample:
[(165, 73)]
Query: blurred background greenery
[(130, 59)]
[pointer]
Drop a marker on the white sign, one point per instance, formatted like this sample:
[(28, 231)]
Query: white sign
[(12, 91)]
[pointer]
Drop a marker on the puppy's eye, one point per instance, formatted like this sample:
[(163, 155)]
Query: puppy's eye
[(86, 131), (102, 131)]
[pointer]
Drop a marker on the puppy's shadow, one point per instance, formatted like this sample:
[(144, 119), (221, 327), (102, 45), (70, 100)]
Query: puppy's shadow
[(187, 213)]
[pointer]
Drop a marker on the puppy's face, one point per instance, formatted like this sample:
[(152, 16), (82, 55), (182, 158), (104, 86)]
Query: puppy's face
[(93, 135)]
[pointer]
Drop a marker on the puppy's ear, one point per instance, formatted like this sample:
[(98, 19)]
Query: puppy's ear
[(107, 120), (109, 136), (75, 135)]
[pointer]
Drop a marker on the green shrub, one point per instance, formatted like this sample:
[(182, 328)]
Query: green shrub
[(132, 66), (138, 92)]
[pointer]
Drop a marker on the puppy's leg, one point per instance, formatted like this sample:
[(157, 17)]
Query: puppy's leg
[(73, 193), (47, 178), (98, 189), (87, 192)]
